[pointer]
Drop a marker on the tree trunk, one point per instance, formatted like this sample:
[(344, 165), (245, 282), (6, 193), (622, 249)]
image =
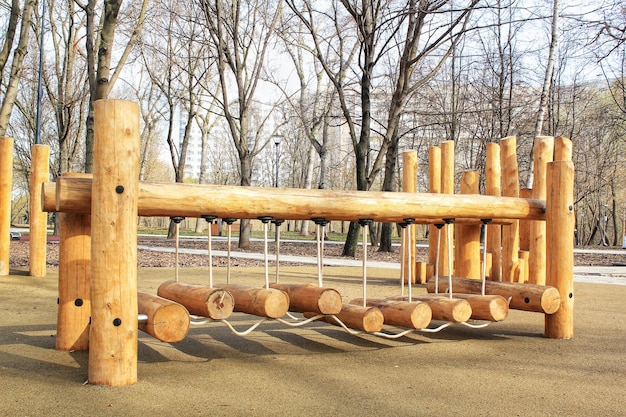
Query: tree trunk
[(10, 93), (547, 82)]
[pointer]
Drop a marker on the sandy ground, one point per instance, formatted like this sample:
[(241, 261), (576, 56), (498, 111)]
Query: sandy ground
[(506, 369)]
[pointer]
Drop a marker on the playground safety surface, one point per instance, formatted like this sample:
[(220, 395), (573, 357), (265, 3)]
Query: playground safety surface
[(508, 368)]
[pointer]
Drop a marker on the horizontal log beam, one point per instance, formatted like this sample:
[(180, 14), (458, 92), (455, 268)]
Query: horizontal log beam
[(73, 195), (526, 297)]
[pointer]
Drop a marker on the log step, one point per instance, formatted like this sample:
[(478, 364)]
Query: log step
[(366, 319), (443, 307), (414, 315), (527, 297), (214, 303), (262, 302), (307, 297), (167, 321)]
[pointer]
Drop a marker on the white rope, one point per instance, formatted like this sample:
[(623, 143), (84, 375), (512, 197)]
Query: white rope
[(318, 229), (410, 263), (300, 322), (210, 258), (265, 260), (402, 260), (230, 230), (484, 269), (176, 251), (365, 231), (247, 331), (449, 231), (437, 252), (277, 253)]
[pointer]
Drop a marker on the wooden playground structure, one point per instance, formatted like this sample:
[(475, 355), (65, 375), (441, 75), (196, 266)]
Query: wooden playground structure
[(526, 262)]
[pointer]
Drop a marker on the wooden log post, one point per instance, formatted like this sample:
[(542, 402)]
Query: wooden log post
[(303, 298), (167, 321), (6, 187), (214, 303), (446, 257), (409, 184), (412, 315), (262, 302), (510, 188), (563, 149), (434, 187), (560, 225), (74, 310), (543, 154), (467, 239), (39, 174), (114, 325), (524, 225), (526, 297), (493, 174)]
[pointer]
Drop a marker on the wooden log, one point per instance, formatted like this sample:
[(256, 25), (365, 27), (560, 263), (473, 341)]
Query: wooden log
[(563, 149), (194, 200), (543, 154), (74, 312), (167, 321), (40, 173), (421, 273), (263, 302), (527, 297), (414, 315), (409, 185), (443, 307), (365, 319), (113, 331), (467, 239), (434, 187), (48, 197), (303, 298), (510, 188), (493, 174), (214, 303), (523, 267), (560, 246), (6, 187), (486, 307), (446, 257), (524, 225)]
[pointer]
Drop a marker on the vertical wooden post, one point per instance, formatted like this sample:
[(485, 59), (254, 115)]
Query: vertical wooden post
[(562, 149), (493, 174), (447, 187), (409, 184), (560, 223), (6, 187), (543, 154), (510, 188), (524, 225), (113, 332), (39, 173), (434, 186), (467, 240), (74, 276)]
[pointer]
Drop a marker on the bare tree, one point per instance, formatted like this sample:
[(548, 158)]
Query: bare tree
[(241, 32), (10, 90), (102, 75), (415, 47)]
